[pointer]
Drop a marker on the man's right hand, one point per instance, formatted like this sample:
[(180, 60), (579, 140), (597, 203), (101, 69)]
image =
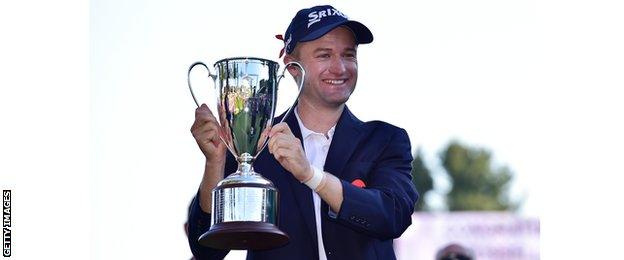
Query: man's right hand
[(206, 130)]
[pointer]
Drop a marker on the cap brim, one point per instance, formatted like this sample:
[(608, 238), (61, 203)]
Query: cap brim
[(362, 34)]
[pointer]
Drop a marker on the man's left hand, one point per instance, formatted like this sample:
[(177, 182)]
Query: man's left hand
[(288, 152)]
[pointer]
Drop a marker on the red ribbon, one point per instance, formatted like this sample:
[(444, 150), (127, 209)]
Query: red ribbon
[(280, 37)]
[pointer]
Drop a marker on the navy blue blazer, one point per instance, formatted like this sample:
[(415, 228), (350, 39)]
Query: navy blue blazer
[(375, 152)]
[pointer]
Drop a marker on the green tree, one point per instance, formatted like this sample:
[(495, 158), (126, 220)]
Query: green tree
[(421, 177), (476, 185)]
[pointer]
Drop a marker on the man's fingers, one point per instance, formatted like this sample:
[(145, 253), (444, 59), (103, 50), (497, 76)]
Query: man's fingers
[(211, 138), (271, 145), (203, 107), (286, 129), (206, 133), (282, 138), (283, 143), (282, 153), (280, 128), (200, 126), (209, 133), (203, 112), (205, 117), (277, 141), (202, 121)]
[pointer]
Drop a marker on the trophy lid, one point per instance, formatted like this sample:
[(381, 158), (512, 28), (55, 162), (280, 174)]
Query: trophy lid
[(246, 59)]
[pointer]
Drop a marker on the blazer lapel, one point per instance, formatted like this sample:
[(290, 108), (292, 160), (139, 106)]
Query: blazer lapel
[(346, 138), (302, 193)]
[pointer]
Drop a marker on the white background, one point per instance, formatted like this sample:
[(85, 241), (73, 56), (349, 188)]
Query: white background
[(95, 111)]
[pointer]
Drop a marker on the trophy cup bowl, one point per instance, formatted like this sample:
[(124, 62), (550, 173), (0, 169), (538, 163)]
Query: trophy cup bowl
[(245, 204)]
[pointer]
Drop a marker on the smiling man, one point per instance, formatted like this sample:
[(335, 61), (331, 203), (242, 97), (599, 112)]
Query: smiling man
[(345, 185)]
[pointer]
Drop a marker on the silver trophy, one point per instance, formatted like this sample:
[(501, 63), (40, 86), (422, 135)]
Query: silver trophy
[(244, 204)]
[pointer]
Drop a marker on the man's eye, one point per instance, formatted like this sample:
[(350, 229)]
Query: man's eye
[(323, 55)]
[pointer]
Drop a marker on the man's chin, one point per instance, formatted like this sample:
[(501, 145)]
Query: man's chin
[(338, 102)]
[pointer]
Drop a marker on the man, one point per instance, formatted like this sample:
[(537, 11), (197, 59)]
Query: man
[(455, 251), (345, 185)]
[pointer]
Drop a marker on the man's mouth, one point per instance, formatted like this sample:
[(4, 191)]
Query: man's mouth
[(334, 81)]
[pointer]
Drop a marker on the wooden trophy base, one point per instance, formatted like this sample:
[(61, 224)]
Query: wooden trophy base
[(243, 235)]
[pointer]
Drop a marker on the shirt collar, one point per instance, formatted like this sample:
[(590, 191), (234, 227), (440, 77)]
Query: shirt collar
[(305, 132)]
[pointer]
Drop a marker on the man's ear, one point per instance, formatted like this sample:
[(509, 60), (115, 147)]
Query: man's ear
[(288, 58), (293, 70)]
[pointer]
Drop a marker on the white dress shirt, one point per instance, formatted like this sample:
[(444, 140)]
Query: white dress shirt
[(316, 146)]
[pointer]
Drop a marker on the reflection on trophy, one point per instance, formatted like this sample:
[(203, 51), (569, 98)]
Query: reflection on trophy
[(244, 204)]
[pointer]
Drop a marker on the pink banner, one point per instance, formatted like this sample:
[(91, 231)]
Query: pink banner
[(490, 235)]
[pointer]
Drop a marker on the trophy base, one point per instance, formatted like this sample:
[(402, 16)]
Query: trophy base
[(243, 235)]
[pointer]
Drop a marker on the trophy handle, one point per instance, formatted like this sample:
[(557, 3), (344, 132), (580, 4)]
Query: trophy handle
[(219, 116), (275, 97), (300, 84), (188, 78)]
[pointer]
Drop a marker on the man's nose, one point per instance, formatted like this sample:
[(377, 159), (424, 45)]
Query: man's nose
[(337, 66)]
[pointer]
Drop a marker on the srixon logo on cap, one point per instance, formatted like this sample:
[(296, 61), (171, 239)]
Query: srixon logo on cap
[(316, 16), (287, 44)]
